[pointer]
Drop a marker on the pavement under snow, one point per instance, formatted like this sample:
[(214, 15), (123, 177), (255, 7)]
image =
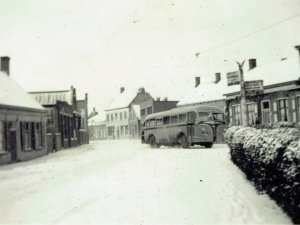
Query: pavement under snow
[(125, 182)]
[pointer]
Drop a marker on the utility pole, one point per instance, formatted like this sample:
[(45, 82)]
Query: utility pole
[(243, 96)]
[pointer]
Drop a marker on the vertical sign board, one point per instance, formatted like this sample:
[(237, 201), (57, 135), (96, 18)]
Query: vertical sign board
[(233, 78), (254, 87)]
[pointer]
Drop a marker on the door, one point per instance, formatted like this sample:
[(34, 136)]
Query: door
[(13, 145), (191, 117)]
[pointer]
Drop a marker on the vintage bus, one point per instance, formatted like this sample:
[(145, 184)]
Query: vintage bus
[(187, 126)]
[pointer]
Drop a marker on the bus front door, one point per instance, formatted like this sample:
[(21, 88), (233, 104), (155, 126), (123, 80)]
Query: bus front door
[(191, 117)]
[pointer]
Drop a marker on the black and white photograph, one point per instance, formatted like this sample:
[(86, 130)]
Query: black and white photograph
[(157, 112)]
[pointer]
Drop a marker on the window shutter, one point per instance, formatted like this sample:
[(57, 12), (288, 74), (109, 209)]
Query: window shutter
[(275, 119), (22, 135), (294, 110), (230, 114)]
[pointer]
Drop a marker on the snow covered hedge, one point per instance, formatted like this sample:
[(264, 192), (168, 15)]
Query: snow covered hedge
[(271, 159)]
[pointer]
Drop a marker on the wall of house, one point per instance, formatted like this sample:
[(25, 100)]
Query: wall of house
[(273, 98), (13, 120), (117, 123)]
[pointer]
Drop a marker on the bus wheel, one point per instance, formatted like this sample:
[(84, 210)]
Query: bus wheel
[(207, 144), (182, 140), (152, 142)]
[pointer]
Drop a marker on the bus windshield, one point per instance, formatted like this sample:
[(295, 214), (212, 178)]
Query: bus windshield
[(218, 117), (204, 116)]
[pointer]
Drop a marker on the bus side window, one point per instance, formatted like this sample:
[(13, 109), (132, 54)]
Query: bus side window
[(182, 118), (152, 123), (174, 119), (147, 123), (166, 120), (159, 122)]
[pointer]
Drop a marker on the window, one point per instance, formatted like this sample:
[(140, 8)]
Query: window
[(126, 130), (298, 108), (110, 131), (121, 116), (125, 115), (182, 118), (148, 123), (107, 117), (159, 122), (149, 110), (1, 136), (31, 135), (204, 116), (283, 110), (266, 113), (219, 117), (143, 112), (251, 116), (50, 117), (116, 116), (166, 120), (236, 111), (152, 123), (174, 119), (111, 117)]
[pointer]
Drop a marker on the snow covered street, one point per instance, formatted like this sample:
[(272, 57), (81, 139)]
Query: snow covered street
[(125, 182)]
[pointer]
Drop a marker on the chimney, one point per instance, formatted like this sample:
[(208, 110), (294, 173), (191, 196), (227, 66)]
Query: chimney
[(86, 96), (165, 99), (4, 64), (141, 90), (197, 81), (252, 64), (158, 99), (218, 77), (122, 89), (94, 110)]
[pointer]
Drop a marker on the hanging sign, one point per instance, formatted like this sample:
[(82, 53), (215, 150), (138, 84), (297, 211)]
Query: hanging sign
[(254, 87), (233, 78)]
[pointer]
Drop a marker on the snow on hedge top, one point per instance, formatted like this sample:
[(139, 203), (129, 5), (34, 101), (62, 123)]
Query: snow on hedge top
[(123, 100), (205, 92), (274, 73), (11, 94)]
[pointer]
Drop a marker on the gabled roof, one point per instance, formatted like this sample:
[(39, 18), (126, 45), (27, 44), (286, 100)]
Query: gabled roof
[(123, 100), (51, 97), (205, 92), (274, 73), (99, 119), (11, 94)]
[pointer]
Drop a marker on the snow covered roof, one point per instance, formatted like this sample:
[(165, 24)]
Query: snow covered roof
[(11, 94), (123, 100), (137, 110), (275, 73), (51, 97), (98, 119), (205, 92)]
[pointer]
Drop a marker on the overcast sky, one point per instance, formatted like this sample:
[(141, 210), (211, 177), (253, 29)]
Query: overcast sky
[(100, 45)]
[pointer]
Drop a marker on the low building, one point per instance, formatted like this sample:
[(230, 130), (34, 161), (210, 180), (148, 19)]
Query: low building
[(206, 93), (117, 114), (280, 100), (64, 121), (97, 127), (22, 121), (154, 106)]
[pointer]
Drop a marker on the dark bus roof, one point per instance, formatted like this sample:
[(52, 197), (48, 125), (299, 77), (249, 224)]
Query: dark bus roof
[(175, 111)]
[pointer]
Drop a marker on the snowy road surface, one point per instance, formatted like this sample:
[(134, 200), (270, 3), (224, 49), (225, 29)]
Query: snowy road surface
[(125, 182)]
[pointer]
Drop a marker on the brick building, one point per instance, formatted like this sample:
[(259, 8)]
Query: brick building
[(22, 121), (64, 121), (154, 106), (280, 100), (82, 108)]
